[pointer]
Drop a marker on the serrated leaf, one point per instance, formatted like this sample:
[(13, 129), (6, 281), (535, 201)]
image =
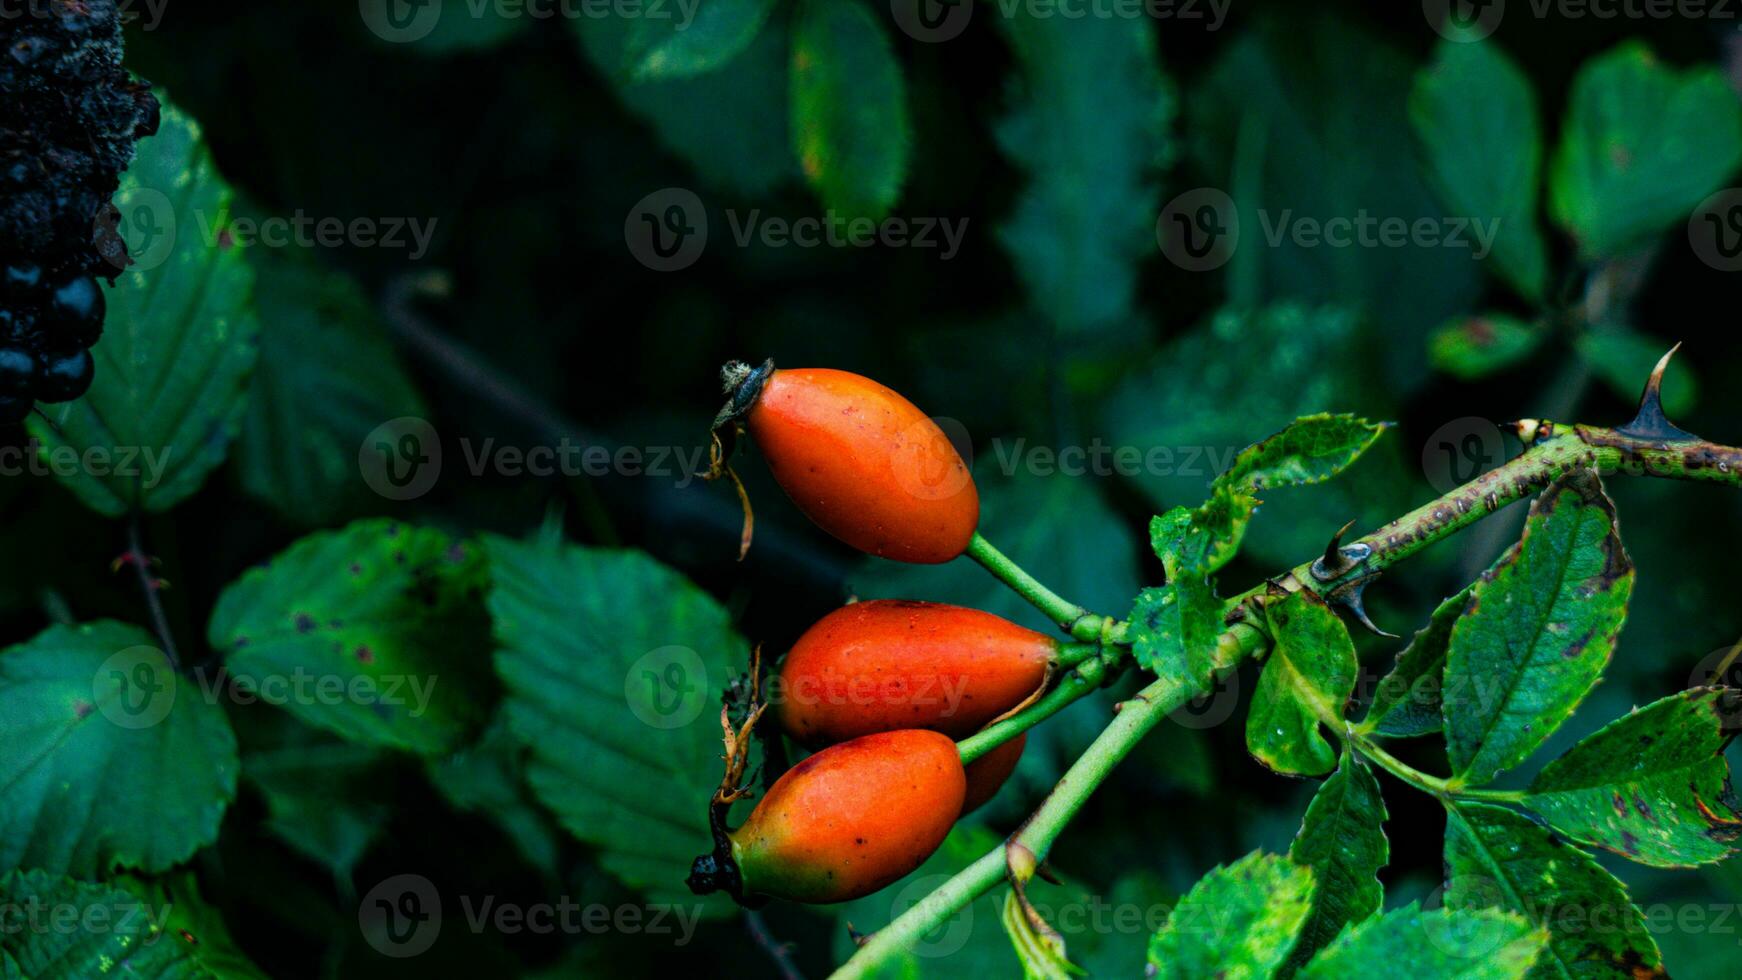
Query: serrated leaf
[(849, 108), (385, 613), (1042, 956), (1476, 117), (327, 377), (1473, 347), (1088, 128), (693, 41), (1652, 786), (613, 664), (194, 924), (1433, 946), (729, 125), (1238, 923), (1623, 357), (140, 934), (1342, 839), (1408, 701), (1174, 628), (1641, 146), (178, 343), (1308, 677), (1311, 449), (112, 761), (1203, 539), (1498, 859), (1540, 628)]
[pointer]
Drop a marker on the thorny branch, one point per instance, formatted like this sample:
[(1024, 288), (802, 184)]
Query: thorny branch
[(1647, 446)]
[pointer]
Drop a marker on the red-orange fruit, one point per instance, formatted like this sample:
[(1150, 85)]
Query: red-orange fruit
[(865, 464), (886, 664), (986, 775), (852, 818)]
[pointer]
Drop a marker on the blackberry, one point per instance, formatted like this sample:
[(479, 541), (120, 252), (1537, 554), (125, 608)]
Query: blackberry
[(69, 118)]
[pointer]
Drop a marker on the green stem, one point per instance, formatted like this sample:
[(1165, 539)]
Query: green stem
[(1553, 451), (1076, 685), (1136, 718), (1072, 618)]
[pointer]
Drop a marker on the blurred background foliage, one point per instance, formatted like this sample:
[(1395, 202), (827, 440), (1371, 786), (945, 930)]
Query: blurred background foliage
[(1060, 322)]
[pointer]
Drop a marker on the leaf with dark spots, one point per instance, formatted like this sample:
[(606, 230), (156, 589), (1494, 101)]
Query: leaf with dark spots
[(1342, 839), (1539, 631), (1306, 681), (1652, 785), (1499, 859)]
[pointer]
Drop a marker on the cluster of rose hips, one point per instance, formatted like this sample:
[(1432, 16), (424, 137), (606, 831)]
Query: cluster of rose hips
[(882, 689)]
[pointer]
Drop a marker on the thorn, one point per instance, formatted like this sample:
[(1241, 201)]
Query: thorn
[(1337, 560), (1650, 422), (859, 938), (1352, 601), (1045, 873)]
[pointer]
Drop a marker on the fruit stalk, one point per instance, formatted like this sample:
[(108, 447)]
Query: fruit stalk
[(1070, 617)]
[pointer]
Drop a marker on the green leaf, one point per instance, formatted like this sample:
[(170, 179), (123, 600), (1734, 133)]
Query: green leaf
[(373, 631), (489, 777), (112, 759), (1342, 839), (327, 377), (1294, 104), (1624, 358), (1409, 701), (1042, 954), (1652, 786), (692, 43), (613, 664), (141, 935), (730, 125), (1642, 145), (1476, 117), (1433, 946), (178, 344), (849, 108), (327, 799), (1310, 450), (197, 926), (1239, 922), (1088, 128), (1473, 347), (1204, 539), (1498, 859), (1308, 677), (1174, 628), (1540, 628)]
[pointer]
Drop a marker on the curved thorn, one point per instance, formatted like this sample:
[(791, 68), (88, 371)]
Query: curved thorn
[(1650, 422), (1352, 601), (1334, 562)]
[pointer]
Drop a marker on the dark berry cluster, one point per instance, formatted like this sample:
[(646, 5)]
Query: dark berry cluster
[(69, 118)]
